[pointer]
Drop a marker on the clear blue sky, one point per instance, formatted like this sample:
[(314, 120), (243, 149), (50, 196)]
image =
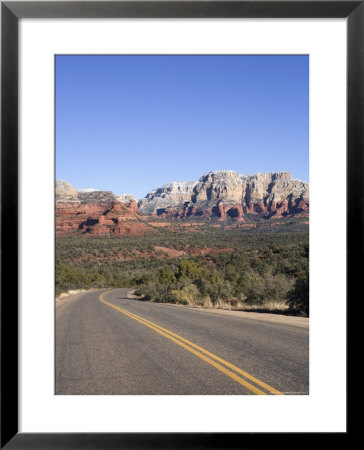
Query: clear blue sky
[(132, 123)]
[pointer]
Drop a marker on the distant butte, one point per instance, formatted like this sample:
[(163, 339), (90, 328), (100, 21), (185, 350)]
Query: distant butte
[(220, 196)]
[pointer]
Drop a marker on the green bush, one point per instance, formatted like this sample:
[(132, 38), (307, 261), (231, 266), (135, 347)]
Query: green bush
[(298, 297), (190, 270), (218, 289), (266, 288), (166, 276)]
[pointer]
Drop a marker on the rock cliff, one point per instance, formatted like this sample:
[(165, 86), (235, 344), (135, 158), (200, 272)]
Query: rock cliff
[(93, 212), (66, 193), (169, 195), (229, 194), (104, 218), (219, 195)]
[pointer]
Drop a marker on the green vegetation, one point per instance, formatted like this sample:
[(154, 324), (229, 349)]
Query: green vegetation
[(298, 297), (232, 268)]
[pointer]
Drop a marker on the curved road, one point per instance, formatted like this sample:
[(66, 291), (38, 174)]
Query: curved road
[(107, 343)]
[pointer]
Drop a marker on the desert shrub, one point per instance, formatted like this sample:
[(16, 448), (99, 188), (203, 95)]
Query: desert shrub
[(267, 288), (217, 289), (155, 291), (166, 276), (187, 295), (260, 267), (189, 269), (298, 296)]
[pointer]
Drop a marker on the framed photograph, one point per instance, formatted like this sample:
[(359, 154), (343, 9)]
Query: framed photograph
[(178, 183)]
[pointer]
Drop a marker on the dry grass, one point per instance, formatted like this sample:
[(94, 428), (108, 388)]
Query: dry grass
[(69, 293), (268, 306), (236, 305), (188, 297)]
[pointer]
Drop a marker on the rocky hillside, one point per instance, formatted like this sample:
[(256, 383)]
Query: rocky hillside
[(218, 195), (170, 195), (66, 193), (88, 211), (105, 218), (226, 194)]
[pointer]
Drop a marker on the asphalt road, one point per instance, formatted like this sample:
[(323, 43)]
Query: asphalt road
[(107, 343)]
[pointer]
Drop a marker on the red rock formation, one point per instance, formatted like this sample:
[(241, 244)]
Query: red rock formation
[(133, 207), (221, 195), (292, 206), (105, 218), (264, 193), (221, 212), (257, 208), (234, 212)]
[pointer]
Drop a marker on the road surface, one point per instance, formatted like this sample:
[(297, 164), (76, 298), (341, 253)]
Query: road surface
[(108, 343)]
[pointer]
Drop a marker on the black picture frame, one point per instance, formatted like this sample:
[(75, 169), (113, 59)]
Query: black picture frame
[(11, 12)]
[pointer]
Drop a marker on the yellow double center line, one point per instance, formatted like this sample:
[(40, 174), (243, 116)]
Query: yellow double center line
[(200, 352)]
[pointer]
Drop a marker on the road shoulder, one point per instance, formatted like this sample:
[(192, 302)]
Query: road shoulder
[(282, 319), (71, 295)]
